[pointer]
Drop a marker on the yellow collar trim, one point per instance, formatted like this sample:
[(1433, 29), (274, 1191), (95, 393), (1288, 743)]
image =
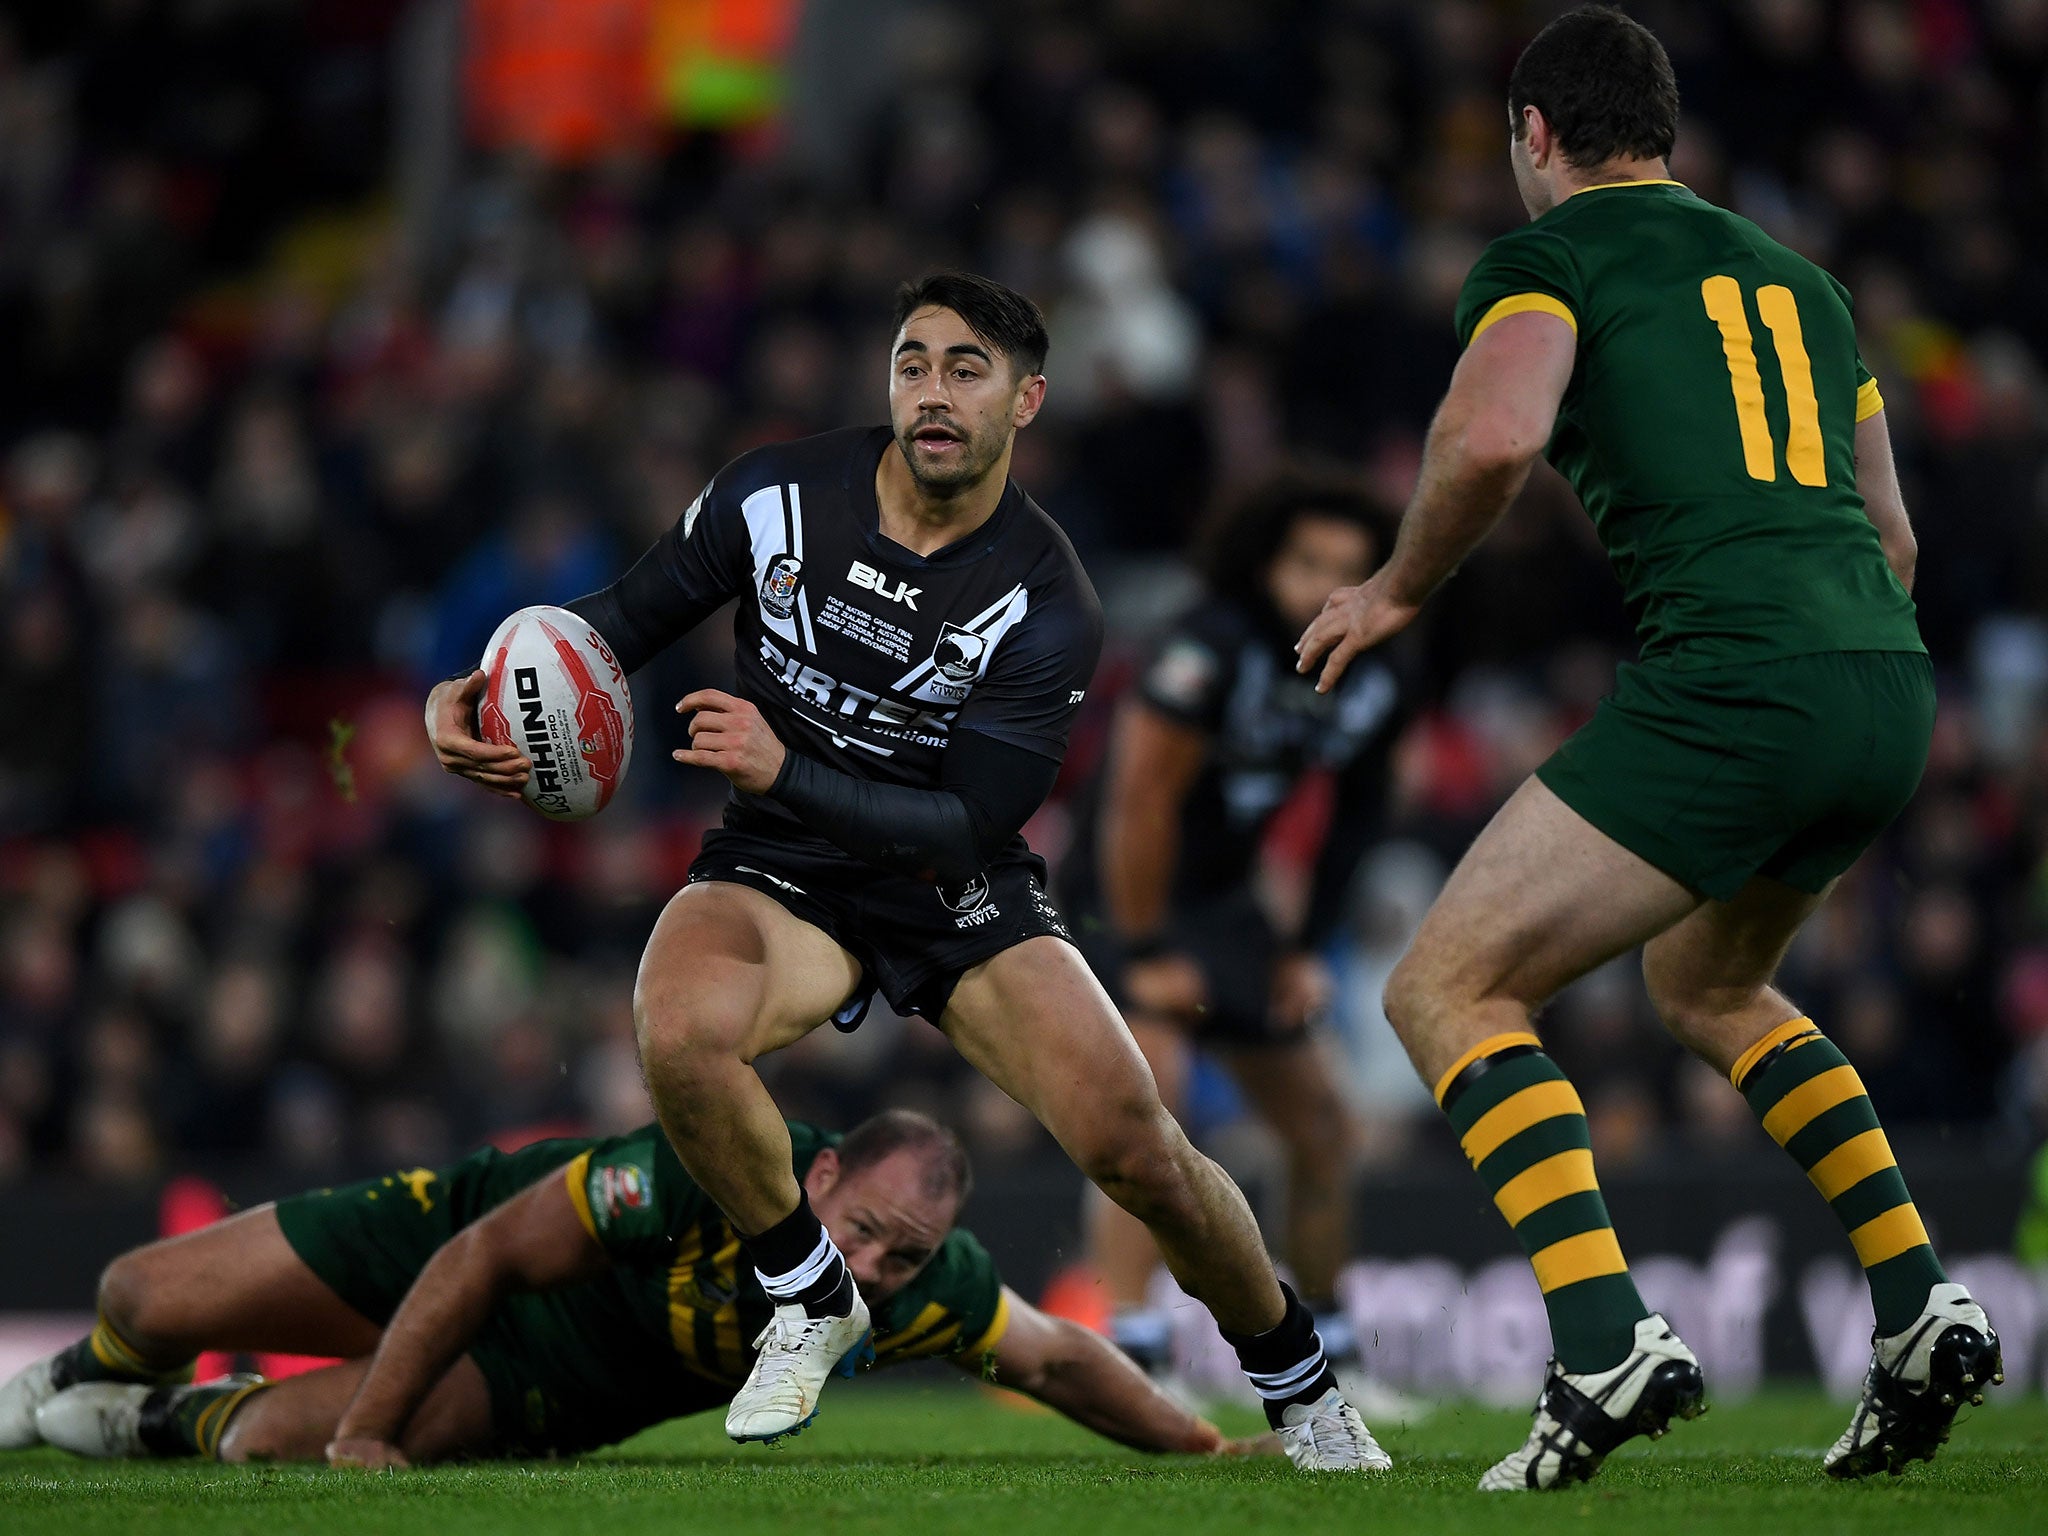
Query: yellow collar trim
[(1647, 181)]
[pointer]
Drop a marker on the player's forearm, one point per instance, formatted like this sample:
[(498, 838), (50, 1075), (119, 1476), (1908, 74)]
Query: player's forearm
[(1095, 1384), (926, 834), (1140, 848), (949, 834), (1470, 476), (442, 1312)]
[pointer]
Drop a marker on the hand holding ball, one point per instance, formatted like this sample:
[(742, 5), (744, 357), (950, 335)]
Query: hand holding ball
[(548, 717)]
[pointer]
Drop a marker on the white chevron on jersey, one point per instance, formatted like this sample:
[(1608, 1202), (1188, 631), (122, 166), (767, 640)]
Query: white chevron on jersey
[(771, 536), (992, 623)]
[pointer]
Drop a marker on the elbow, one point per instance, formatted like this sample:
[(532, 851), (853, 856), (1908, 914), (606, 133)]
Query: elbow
[(1490, 450), (1904, 556)]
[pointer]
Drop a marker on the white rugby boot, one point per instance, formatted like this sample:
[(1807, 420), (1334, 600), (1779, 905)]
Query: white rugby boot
[(1917, 1380), (1582, 1416), (1327, 1435), (101, 1419), (24, 1392), (797, 1353)]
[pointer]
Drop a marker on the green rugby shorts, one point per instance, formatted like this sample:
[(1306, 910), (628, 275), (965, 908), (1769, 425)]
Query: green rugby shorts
[(1788, 768)]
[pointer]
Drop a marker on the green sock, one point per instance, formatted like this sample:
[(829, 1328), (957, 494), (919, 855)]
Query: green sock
[(1813, 1104), (103, 1355), (1524, 1130), (189, 1421)]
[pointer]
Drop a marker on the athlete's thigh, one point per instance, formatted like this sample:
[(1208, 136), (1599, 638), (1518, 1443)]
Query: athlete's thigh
[(725, 955), (236, 1285), (1716, 963), (1539, 899), (1035, 1022)]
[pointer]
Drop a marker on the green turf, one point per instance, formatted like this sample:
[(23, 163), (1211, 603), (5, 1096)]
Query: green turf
[(945, 1458)]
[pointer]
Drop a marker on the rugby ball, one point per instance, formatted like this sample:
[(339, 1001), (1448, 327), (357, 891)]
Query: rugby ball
[(555, 692)]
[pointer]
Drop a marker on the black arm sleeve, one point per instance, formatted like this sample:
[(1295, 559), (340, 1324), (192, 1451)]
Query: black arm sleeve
[(685, 576), (987, 792)]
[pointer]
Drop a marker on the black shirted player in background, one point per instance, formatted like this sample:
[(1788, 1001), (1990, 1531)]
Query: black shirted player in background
[(1216, 735), (913, 640)]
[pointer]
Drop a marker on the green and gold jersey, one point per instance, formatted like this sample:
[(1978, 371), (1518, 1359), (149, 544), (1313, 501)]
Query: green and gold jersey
[(679, 1272), (1709, 425)]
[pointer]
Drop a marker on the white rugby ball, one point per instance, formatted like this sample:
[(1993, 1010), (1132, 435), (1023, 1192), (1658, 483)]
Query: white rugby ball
[(555, 692)]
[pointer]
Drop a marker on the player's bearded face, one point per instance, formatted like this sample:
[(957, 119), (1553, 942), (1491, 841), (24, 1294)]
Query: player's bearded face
[(952, 402)]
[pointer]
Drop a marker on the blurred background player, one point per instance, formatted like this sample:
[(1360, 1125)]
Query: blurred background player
[(543, 1302), (1778, 719), (1165, 884)]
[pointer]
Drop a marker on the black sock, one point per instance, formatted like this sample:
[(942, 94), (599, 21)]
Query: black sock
[(795, 1261), (1285, 1364)]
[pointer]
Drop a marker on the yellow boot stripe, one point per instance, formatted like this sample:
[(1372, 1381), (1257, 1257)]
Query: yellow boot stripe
[(1484, 1048), (1810, 1100), (1585, 1256), (1516, 1113), (1567, 1173), (1888, 1236), (1851, 1163), (1769, 1043)]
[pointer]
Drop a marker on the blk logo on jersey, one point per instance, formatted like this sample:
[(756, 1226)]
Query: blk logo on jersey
[(889, 591), (957, 657), (778, 587)]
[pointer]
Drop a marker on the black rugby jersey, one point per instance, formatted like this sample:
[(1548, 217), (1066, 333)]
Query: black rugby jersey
[(859, 653), (1229, 674)]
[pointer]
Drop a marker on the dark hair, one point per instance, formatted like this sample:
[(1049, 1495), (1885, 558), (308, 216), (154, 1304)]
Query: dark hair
[(1242, 536), (1000, 316), (1604, 84), (946, 1169)]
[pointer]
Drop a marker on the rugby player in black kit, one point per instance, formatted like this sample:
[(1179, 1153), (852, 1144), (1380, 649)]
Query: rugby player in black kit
[(914, 637)]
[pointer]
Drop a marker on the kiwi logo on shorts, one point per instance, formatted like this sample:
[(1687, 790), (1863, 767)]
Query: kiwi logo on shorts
[(970, 903)]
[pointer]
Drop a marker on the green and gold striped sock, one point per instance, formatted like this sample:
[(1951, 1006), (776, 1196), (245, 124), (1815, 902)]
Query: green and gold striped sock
[(103, 1355), (184, 1421), (1524, 1130), (1813, 1104)]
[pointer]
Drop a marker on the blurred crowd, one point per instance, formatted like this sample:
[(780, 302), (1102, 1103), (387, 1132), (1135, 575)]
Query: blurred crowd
[(273, 462)]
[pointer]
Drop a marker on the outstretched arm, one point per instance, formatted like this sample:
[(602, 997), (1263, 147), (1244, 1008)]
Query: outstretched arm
[(1494, 420), (1092, 1382), (533, 1242)]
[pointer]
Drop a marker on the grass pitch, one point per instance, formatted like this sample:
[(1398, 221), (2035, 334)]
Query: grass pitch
[(946, 1457)]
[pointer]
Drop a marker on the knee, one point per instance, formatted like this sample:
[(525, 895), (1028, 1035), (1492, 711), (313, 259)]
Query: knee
[(1413, 995), (125, 1296), (1138, 1156), (1689, 1012), (678, 1023)]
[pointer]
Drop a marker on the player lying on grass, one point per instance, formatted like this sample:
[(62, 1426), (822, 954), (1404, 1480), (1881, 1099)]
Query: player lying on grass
[(546, 1301), (1699, 385)]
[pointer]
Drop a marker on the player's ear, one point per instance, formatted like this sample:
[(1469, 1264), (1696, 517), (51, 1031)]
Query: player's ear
[(822, 1174), (1029, 399), (1537, 135)]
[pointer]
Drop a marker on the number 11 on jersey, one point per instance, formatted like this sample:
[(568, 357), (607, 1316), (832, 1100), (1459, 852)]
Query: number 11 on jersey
[(1805, 455)]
